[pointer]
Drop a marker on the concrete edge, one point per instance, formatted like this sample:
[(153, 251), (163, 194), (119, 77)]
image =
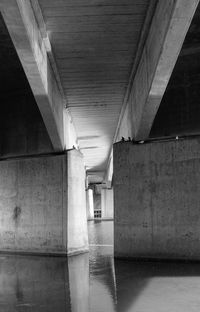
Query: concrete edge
[(156, 259), (44, 254), (33, 253), (77, 251), (107, 219), (100, 219)]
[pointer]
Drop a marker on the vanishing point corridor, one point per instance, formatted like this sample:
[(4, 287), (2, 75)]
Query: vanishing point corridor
[(100, 155)]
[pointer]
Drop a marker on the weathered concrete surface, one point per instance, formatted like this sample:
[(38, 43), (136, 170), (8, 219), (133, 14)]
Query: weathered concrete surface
[(70, 136), (31, 205), (156, 199), (90, 204), (77, 218), (126, 126), (37, 212), (107, 205)]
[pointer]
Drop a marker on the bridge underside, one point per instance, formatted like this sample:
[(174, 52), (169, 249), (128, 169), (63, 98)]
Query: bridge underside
[(76, 78)]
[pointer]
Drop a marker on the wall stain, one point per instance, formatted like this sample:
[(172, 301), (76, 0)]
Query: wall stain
[(16, 215)]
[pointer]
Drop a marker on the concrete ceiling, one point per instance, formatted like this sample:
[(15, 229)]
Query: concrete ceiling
[(94, 43)]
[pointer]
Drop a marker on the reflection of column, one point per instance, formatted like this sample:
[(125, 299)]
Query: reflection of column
[(90, 204), (35, 283), (79, 282), (107, 203), (131, 279), (102, 282), (53, 283)]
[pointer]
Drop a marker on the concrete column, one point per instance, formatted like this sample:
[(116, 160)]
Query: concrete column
[(107, 204), (156, 198), (77, 216), (97, 202), (90, 204), (42, 204)]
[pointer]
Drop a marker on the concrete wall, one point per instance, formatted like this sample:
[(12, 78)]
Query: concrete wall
[(107, 205), (37, 213), (156, 199), (31, 205)]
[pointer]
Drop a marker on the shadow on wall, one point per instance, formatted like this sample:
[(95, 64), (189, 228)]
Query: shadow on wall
[(22, 130), (156, 286)]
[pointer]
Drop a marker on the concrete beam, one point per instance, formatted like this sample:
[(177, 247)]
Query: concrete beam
[(95, 176), (109, 171), (33, 51), (166, 35)]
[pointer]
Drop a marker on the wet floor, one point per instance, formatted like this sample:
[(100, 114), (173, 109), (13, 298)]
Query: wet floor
[(96, 282)]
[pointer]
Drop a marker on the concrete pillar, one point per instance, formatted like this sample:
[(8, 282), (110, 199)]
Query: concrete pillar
[(107, 204), (77, 216), (156, 199), (42, 204), (97, 205), (90, 204)]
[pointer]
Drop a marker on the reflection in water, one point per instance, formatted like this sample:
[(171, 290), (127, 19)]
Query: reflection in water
[(33, 284), (79, 282), (96, 282), (102, 274)]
